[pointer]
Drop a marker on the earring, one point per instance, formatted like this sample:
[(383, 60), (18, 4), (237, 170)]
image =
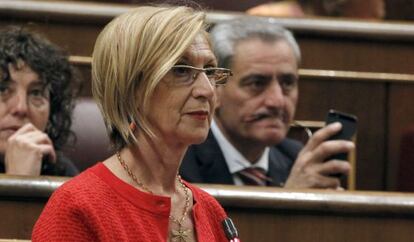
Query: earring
[(133, 126)]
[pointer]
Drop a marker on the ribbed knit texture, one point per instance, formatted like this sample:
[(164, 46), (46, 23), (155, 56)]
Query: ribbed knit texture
[(98, 206)]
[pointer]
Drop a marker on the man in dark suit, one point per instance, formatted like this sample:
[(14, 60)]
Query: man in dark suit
[(247, 144)]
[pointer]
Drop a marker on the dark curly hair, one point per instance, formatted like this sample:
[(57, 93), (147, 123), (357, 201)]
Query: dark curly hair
[(52, 66)]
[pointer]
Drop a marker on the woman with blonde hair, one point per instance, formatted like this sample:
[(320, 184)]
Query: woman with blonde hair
[(154, 79)]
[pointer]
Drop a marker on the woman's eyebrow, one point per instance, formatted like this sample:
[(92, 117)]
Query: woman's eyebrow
[(184, 58), (38, 83), (187, 58), (8, 79), (212, 61)]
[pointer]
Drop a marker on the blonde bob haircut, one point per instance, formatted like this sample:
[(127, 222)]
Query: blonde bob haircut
[(131, 55)]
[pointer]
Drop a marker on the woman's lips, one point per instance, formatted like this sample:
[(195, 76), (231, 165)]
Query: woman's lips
[(7, 132), (10, 128), (199, 115)]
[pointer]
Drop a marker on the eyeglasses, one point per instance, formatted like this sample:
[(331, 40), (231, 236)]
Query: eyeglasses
[(186, 75)]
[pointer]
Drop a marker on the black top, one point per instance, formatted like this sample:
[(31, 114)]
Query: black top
[(63, 167)]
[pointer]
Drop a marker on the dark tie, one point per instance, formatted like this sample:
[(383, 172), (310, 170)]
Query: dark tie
[(254, 176)]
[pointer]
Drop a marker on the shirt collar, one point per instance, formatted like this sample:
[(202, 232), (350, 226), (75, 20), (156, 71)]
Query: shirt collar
[(234, 159)]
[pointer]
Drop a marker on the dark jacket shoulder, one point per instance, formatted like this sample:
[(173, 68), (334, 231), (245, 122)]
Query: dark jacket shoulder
[(205, 162), (281, 160), (63, 167)]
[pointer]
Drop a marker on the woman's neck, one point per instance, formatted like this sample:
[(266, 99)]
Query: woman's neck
[(155, 163)]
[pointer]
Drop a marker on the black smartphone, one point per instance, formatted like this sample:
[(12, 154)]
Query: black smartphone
[(349, 128)]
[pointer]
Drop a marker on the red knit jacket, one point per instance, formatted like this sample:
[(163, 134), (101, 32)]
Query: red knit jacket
[(98, 206)]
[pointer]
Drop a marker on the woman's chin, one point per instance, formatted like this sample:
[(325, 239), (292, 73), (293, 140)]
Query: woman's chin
[(197, 138), (199, 141)]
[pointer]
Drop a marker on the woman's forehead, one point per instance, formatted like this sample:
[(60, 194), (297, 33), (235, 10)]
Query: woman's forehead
[(200, 48), (17, 72)]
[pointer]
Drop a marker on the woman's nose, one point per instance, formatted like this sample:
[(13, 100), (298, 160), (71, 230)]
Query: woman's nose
[(19, 104), (203, 86)]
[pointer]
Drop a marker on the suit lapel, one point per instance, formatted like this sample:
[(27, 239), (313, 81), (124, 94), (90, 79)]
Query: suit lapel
[(279, 166), (213, 166)]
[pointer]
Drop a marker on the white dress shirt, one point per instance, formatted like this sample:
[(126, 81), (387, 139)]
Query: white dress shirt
[(234, 159)]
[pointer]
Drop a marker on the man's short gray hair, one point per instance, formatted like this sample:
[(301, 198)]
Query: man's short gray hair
[(227, 34)]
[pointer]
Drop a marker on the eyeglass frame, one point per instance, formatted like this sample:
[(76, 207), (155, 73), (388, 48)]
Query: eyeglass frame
[(227, 73)]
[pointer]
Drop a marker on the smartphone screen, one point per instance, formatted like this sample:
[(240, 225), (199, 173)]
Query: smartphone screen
[(349, 127)]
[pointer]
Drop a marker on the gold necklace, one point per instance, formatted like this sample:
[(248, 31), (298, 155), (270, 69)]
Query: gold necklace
[(180, 235)]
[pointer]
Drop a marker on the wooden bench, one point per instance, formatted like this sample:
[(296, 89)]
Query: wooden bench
[(383, 104), (260, 214), (329, 44)]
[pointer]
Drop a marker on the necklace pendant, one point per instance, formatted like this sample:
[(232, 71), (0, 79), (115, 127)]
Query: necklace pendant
[(180, 235)]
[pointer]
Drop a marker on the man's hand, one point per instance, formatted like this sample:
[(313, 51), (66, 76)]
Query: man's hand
[(311, 170), (26, 149)]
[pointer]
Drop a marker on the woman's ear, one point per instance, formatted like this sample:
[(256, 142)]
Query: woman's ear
[(133, 126)]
